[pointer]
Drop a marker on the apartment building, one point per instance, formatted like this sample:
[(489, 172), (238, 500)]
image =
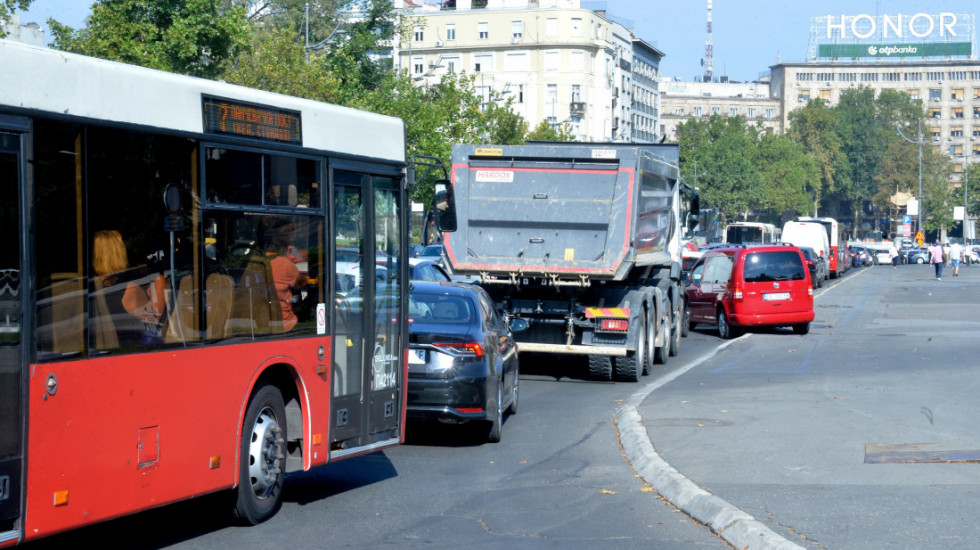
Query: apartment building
[(682, 101), (556, 60)]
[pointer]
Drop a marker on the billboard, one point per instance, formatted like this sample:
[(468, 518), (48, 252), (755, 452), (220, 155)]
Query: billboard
[(921, 35)]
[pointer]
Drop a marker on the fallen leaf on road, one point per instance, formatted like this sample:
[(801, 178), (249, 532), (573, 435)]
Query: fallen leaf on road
[(791, 351), (607, 492), (765, 431), (724, 410), (700, 425), (840, 397), (647, 490)]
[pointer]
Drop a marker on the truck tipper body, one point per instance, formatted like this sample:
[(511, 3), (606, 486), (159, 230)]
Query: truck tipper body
[(580, 240)]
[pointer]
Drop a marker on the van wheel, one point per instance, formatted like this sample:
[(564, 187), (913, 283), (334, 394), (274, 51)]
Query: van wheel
[(263, 457), (725, 330), (801, 328)]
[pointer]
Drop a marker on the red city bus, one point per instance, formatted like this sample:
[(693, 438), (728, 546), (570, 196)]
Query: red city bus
[(840, 257), (171, 322)]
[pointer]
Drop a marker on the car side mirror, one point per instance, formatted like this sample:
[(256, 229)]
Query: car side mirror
[(517, 324)]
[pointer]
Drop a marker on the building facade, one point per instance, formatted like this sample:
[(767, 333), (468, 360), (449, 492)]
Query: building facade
[(683, 101), (555, 60)]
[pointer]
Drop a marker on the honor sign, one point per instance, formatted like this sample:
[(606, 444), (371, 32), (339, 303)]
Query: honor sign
[(917, 35)]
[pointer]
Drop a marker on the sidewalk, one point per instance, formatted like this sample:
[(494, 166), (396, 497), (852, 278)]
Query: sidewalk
[(790, 428)]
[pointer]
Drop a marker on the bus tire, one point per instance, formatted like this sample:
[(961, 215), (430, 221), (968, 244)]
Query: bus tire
[(600, 367), (263, 457)]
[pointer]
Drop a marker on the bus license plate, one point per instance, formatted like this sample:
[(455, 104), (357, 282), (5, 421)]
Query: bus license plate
[(416, 357), (776, 296)]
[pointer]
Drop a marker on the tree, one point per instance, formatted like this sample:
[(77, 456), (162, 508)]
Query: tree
[(9, 7), (789, 175), (194, 37), (815, 127), (545, 132)]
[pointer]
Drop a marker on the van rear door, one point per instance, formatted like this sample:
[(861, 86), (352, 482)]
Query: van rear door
[(776, 282)]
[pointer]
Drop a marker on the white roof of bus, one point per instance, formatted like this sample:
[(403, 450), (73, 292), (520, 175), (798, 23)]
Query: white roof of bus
[(58, 82)]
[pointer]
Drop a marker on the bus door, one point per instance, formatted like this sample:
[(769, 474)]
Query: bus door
[(367, 374), (12, 338)]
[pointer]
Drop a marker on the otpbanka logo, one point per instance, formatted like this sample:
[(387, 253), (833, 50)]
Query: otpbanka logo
[(872, 50), (892, 50)]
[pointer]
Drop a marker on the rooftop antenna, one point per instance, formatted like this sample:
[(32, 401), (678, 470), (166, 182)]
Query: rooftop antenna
[(709, 53)]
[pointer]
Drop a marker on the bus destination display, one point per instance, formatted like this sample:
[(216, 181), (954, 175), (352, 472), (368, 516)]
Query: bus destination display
[(223, 116)]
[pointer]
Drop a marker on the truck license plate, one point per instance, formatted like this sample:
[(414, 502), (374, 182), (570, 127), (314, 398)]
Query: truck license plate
[(416, 357), (776, 296)]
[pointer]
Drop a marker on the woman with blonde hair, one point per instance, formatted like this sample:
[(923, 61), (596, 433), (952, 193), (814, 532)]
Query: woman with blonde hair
[(133, 312)]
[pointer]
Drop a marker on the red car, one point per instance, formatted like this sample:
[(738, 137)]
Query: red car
[(738, 286)]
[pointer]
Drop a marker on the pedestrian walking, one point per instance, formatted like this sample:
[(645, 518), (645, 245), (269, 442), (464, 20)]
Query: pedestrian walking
[(955, 257), (936, 257)]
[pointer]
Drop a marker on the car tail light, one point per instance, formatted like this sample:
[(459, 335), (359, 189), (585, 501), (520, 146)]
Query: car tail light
[(809, 290), (737, 293), (470, 410), (472, 349), (614, 325)]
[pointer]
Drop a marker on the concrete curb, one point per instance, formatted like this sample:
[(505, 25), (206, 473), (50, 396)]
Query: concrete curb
[(733, 525)]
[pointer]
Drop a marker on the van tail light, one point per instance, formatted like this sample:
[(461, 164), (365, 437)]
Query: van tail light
[(737, 293), (809, 290), (471, 349)]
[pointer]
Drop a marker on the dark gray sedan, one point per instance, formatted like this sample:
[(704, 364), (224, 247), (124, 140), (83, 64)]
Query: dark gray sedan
[(462, 361)]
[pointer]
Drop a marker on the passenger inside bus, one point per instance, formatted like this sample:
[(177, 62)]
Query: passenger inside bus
[(276, 235), (128, 303)]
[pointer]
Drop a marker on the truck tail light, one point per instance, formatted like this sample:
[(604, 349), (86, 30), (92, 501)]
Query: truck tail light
[(614, 325)]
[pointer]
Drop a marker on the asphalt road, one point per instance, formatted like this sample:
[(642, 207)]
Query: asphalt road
[(783, 427), (558, 479)]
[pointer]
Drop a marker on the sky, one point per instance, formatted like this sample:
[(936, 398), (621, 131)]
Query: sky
[(748, 35)]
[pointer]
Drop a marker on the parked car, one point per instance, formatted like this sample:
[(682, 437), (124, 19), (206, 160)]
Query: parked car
[(860, 255), (462, 361), (885, 255), (817, 265), (738, 287), (919, 256)]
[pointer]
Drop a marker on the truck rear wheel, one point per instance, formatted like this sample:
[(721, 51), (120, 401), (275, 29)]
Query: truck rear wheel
[(630, 366), (600, 367), (660, 354), (675, 330)]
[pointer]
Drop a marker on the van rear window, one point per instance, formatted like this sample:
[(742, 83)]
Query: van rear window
[(761, 267)]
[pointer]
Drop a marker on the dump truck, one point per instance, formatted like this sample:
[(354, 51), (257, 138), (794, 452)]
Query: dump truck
[(582, 242)]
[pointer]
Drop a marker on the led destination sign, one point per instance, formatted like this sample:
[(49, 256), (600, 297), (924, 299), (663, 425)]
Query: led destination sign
[(224, 116)]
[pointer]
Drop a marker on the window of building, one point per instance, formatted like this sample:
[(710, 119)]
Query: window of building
[(935, 94), (958, 112), (935, 112), (976, 149), (934, 76), (679, 111), (516, 61), (520, 93), (825, 95), (576, 93), (770, 113), (869, 77), (716, 110), (482, 62), (418, 65), (976, 112), (517, 29), (751, 112), (552, 60), (913, 94), (551, 26), (697, 111), (551, 95), (419, 35), (483, 30), (935, 133), (956, 131), (450, 31), (576, 60), (576, 29), (956, 150), (957, 94), (452, 64), (976, 93), (733, 111), (803, 95)]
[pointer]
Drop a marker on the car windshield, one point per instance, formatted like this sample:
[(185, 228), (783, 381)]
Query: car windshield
[(773, 266), (440, 309), (432, 250)]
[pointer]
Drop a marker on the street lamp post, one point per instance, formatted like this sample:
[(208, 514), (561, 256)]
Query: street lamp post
[(918, 142)]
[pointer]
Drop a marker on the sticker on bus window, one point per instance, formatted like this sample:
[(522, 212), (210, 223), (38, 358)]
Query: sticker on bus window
[(321, 318)]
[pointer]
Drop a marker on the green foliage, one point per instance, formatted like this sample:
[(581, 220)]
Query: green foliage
[(194, 37), (544, 132), (8, 7), (815, 127)]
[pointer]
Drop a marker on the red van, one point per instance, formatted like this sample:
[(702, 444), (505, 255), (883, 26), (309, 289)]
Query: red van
[(750, 286)]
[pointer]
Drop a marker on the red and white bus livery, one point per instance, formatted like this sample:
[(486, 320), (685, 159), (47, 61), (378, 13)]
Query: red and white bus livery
[(171, 321)]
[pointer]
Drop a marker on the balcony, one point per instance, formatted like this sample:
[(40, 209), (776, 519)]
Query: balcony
[(576, 108)]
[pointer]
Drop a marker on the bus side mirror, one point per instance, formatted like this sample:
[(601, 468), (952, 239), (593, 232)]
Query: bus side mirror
[(444, 206)]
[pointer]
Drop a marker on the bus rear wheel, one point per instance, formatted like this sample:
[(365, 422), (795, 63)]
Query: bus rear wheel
[(263, 457)]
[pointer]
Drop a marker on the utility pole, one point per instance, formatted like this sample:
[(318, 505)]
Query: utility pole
[(918, 142)]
